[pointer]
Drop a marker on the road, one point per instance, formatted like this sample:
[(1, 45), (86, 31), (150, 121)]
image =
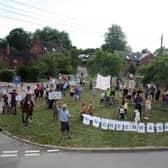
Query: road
[(15, 154)]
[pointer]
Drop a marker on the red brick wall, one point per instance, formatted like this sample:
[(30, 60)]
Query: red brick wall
[(146, 59)]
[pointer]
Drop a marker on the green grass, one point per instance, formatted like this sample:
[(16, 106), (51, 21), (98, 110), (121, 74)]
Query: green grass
[(45, 130)]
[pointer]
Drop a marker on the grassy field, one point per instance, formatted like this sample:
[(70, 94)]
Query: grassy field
[(45, 130)]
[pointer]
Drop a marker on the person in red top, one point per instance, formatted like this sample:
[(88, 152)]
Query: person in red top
[(13, 100), (37, 91)]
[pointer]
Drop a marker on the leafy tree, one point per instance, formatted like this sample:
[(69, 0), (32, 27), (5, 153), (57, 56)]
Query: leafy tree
[(156, 70), (105, 63), (28, 73), (132, 69), (115, 39), (49, 34), (20, 39), (53, 64), (3, 43)]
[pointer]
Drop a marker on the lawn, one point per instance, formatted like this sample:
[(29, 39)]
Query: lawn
[(45, 130)]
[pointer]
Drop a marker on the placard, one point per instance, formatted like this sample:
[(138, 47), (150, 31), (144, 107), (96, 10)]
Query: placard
[(112, 124), (104, 124), (96, 121), (159, 127), (150, 128), (72, 83), (86, 119), (54, 95)]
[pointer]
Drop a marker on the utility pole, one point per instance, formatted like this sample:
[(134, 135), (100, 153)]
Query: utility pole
[(161, 45)]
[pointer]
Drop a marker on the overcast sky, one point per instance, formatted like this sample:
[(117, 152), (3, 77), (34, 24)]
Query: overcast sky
[(86, 21)]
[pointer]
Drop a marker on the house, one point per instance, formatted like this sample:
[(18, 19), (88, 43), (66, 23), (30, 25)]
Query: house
[(138, 58), (42, 47), (38, 50)]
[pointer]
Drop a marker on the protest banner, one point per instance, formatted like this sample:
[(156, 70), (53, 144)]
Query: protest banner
[(102, 82), (54, 95), (109, 124)]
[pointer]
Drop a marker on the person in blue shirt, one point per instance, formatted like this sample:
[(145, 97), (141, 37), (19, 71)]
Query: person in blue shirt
[(64, 116)]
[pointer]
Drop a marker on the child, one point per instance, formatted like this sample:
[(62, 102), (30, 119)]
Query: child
[(125, 105), (90, 108), (148, 103), (83, 111)]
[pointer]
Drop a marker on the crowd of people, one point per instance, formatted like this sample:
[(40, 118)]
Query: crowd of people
[(139, 98)]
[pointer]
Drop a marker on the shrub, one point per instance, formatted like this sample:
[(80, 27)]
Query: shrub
[(28, 73), (6, 75)]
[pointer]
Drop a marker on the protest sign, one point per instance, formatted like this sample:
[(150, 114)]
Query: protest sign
[(54, 95), (104, 124), (86, 119), (112, 124), (19, 98), (102, 82), (96, 121), (72, 83), (131, 84)]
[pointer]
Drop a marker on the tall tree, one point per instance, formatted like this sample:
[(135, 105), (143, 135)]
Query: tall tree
[(115, 39), (156, 70), (20, 39), (105, 63), (53, 35)]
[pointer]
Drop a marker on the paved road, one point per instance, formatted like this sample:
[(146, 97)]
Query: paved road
[(14, 154)]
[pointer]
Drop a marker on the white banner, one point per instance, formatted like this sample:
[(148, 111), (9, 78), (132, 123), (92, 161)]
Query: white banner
[(104, 124), (86, 119), (102, 82), (96, 121), (54, 95), (108, 124), (150, 128)]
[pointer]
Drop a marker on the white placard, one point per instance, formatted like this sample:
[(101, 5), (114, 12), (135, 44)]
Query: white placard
[(134, 127), (86, 119), (131, 84), (112, 124), (127, 126), (104, 124), (54, 95), (18, 98), (96, 121), (72, 83), (166, 127), (150, 128), (141, 128), (119, 125), (102, 82), (159, 127)]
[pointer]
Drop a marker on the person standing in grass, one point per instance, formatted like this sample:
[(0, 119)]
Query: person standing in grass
[(64, 116), (148, 104)]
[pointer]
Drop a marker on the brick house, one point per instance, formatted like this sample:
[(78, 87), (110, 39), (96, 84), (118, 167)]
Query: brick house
[(39, 49), (138, 58)]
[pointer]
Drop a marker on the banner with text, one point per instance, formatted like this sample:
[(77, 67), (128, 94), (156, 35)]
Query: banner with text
[(115, 125)]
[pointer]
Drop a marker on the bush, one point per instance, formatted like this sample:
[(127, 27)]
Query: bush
[(28, 73), (6, 75)]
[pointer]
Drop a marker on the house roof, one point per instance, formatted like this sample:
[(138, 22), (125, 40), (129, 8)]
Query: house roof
[(51, 47), (135, 56)]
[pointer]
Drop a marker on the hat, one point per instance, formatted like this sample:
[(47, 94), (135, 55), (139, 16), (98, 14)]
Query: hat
[(64, 105)]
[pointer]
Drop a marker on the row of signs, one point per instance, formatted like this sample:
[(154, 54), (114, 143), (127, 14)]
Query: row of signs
[(115, 125)]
